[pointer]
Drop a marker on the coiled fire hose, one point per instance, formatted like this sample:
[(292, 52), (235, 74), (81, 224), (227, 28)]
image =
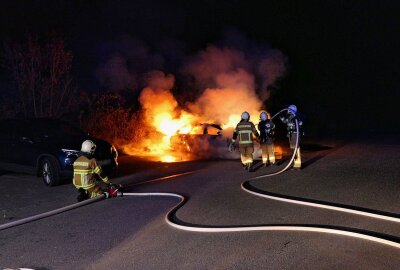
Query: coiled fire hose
[(380, 238)]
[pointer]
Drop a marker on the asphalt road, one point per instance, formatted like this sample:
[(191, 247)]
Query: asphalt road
[(130, 232)]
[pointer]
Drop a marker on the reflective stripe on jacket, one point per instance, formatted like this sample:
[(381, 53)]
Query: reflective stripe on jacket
[(245, 130), (85, 171)]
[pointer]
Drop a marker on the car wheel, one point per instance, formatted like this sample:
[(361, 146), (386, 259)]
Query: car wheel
[(50, 172)]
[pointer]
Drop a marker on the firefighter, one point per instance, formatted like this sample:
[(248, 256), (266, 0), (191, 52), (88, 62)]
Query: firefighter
[(245, 129), (266, 128), (289, 120), (86, 169)]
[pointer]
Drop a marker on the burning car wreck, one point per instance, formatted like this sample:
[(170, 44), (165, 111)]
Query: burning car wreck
[(208, 142)]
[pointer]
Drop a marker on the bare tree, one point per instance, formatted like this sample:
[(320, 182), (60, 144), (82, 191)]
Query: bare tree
[(41, 69), (107, 118)]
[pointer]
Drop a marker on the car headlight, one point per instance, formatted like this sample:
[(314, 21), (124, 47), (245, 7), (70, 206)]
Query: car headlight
[(71, 156), (70, 152)]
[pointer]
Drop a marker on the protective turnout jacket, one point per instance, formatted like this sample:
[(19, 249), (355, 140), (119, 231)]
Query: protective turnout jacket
[(289, 120), (266, 128), (85, 171), (245, 131)]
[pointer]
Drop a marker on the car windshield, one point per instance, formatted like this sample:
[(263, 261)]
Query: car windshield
[(211, 129)]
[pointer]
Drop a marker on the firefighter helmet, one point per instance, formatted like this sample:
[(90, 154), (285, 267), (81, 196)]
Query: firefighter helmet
[(292, 109), (264, 116), (88, 147), (245, 116)]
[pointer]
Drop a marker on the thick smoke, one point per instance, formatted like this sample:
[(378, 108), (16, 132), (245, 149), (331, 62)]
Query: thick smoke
[(125, 61), (207, 65), (234, 94), (215, 65), (233, 80), (271, 68), (224, 82)]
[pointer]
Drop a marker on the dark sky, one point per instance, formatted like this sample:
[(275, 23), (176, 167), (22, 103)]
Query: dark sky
[(343, 55)]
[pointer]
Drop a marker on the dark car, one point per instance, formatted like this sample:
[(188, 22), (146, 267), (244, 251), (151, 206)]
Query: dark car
[(48, 148), (208, 144)]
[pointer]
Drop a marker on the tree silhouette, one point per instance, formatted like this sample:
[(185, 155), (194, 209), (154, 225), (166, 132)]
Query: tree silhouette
[(41, 70)]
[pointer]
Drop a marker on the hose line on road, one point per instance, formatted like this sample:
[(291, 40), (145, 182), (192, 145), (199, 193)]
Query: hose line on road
[(51, 213), (79, 204), (172, 220), (246, 186), (380, 238)]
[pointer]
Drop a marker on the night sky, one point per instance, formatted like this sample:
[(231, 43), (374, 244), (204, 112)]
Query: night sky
[(343, 56)]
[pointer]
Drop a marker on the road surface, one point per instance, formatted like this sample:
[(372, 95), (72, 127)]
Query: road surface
[(131, 233)]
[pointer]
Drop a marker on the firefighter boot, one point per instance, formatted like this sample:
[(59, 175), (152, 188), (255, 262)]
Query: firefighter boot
[(249, 167), (297, 160), (82, 195)]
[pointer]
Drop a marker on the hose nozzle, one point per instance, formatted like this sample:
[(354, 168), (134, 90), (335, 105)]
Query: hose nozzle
[(113, 191)]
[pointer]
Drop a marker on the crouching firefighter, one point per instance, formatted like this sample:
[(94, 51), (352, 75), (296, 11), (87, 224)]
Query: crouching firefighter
[(266, 128), (290, 121), (245, 130), (86, 169)]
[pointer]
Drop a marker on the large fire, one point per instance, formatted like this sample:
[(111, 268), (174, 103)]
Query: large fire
[(228, 81), (167, 122)]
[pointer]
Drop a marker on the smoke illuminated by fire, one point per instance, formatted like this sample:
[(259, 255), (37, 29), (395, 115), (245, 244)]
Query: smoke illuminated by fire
[(165, 118), (231, 81)]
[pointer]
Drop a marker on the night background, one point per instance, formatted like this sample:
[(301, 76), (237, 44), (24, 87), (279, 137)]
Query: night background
[(341, 56), (154, 90)]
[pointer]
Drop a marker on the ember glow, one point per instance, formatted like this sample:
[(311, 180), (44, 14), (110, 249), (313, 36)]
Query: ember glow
[(178, 132), (164, 120), (278, 152)]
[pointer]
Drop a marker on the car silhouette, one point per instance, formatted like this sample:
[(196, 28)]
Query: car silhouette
[(48, 148), (208, 144)]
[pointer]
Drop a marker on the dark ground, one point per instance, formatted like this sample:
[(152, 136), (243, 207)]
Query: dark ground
[(130, 233)]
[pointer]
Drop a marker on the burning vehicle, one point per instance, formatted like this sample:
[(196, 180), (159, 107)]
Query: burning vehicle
[(215, 85), (207, 144), (172, 133)]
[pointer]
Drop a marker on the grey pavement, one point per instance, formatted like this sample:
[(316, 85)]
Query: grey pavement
[(130, 232)]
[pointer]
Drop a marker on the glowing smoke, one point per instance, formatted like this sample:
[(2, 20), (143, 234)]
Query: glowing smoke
[(225, 82), (235, 68)]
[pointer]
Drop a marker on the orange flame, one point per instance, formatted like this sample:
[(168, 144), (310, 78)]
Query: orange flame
[(166, 121)]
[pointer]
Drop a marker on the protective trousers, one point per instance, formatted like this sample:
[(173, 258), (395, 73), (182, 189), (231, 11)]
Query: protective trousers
[(267, 153), (297, 157), (94, 191), (246, 153)]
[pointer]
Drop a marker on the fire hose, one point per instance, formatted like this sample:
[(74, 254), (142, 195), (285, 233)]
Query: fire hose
[(51, 213), (170, 217), (361, 234)]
